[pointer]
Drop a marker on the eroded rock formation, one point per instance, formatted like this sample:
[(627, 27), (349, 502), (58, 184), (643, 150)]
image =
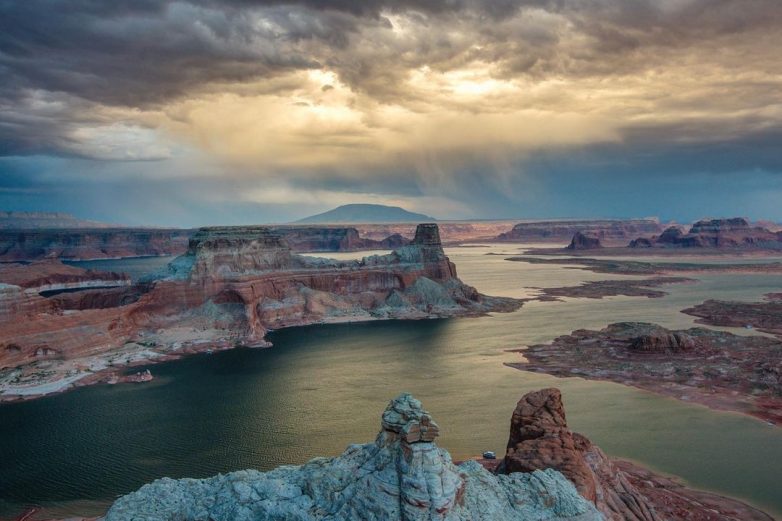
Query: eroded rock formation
[(84, 243), (564, 230), (736, 232), (327, 238), (403, 475), (540, 439), (584, 241), (229, 288), (621, 491), (715, 368)]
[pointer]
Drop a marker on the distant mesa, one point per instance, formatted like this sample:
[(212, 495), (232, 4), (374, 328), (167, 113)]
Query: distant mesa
[(584, 241), (604, 229), (735, 232), (367, 213), (25, 220)]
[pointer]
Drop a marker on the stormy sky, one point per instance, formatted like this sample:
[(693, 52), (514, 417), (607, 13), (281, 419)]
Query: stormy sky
[(215, 111)]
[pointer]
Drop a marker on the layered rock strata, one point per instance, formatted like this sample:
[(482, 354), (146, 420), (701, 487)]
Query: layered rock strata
[(403, 475), (584, 241), (714, 233), (611, 230), (107, 243), (715, 368), (229, 288), (325, 239), (95, 243), (621, 491)]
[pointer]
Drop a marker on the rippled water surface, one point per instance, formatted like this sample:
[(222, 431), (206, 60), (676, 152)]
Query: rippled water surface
[(322, 387)]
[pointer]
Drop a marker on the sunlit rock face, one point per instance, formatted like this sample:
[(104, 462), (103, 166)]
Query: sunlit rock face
[(540, 439), (230, 288), (403, 475)]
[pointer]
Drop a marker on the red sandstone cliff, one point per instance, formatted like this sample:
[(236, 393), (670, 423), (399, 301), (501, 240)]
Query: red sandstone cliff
[(231, 287), (540, 439)]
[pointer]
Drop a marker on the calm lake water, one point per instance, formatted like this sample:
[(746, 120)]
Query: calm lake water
[(321, 388)]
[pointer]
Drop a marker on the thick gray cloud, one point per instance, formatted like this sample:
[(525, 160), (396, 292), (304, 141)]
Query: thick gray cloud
[(396, 98)]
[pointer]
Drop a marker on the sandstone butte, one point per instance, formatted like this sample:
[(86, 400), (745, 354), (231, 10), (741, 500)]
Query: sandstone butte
[(548, 473), (230, 288)]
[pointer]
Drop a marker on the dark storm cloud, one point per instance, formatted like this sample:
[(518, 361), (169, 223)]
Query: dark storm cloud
[(644, 87), (135, 53)]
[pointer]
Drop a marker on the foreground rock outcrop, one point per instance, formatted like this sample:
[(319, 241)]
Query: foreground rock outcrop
[(230, 288), (403, 475), (715, 368), (621, 491)]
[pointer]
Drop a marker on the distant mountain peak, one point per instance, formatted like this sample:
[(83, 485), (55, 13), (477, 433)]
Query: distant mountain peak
[(366, 213)]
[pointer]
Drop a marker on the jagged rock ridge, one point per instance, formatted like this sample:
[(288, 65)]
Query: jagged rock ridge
[(403, 475)]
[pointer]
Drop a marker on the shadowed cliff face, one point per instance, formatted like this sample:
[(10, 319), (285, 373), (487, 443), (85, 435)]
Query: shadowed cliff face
[(104, 243), (402, 476)]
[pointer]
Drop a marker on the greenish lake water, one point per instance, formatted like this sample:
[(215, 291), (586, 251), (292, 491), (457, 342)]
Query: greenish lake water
[(321, 388)]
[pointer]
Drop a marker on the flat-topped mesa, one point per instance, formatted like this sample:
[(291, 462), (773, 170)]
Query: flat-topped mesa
[(234, 251), (403, 476), (605, 229), (720, 225)]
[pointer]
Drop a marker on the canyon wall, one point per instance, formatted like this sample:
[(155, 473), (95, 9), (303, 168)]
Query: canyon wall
[(82, 244), (107, 243), (231, 286)]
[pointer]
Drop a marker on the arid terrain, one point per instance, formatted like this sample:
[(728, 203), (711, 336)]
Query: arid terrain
[(714, 368), (230, 288)]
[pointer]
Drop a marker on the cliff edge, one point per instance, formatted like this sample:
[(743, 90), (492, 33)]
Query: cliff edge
[(403, 475)]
